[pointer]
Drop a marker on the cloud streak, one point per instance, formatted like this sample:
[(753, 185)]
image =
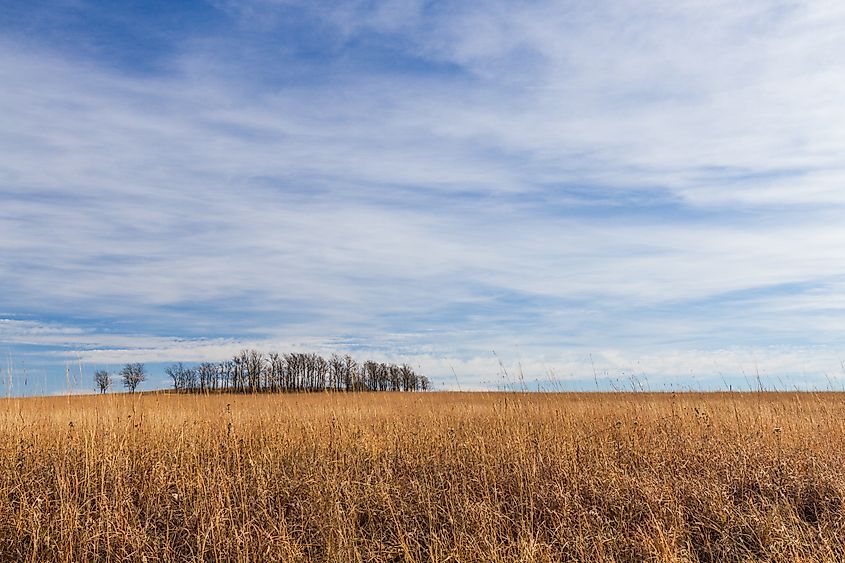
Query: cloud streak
[(549, 179)]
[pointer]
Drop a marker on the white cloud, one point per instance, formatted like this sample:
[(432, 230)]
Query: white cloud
[(712, 133)]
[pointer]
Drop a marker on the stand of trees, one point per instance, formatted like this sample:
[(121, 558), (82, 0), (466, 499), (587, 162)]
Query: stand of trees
[(131, 376), (251, 371)]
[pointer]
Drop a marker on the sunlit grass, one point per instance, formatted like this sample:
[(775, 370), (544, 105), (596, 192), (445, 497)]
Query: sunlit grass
[(423, 477)]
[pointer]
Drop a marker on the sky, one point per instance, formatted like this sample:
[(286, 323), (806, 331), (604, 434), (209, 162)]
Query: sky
[(556, 195)]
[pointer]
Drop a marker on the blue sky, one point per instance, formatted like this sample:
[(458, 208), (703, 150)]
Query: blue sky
[(611, 188)]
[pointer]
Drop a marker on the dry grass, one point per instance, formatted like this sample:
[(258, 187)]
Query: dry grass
[(424, 477)]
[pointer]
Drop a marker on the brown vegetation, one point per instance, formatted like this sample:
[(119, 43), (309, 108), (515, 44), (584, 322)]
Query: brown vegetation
[(423, 477)]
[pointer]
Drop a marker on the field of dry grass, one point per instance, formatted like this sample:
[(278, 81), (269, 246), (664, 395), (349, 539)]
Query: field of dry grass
[(423, 477)]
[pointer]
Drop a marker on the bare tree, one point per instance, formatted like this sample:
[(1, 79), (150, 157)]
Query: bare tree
[(132, 375), (254, 363), (394, 376), (239, 365), (351, 374), (277, 372), (103, 380), (191, 379), (227, 373), (335, 372), (321, 372), (176, 372), (208, 376), (293, 371)]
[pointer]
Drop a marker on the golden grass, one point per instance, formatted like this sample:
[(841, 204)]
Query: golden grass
[(423, 477)]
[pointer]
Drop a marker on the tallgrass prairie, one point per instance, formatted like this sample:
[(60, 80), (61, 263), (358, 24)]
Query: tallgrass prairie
[(423, 477)]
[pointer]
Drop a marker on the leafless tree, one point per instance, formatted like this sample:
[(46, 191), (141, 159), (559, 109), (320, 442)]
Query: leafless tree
[(294, 368), (277, 372), (103, 380), (253, 362), (133, 375), (207, 373), (227, 374), (351, 374), (176, 373), (239, 364)]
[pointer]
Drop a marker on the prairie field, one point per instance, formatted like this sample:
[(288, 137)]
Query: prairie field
[(423, 477)]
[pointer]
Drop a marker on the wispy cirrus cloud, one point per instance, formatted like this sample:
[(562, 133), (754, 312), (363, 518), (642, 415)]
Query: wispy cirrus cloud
[(547, 180)]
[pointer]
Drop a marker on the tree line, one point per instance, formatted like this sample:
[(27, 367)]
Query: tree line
[(251, 371)]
